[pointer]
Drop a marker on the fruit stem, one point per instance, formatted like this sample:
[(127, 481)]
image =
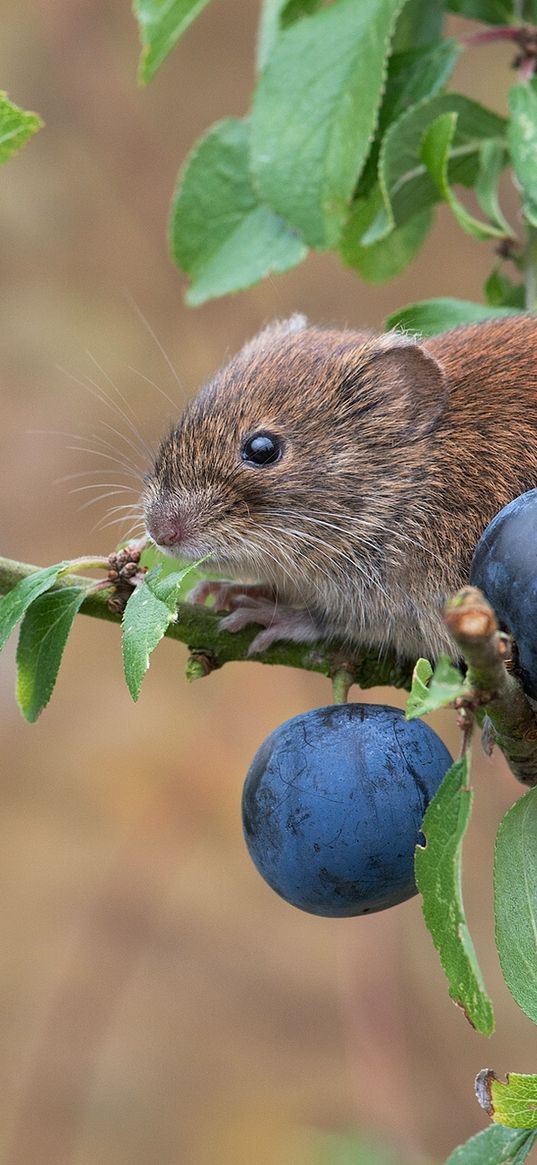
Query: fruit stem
[(342, 681)]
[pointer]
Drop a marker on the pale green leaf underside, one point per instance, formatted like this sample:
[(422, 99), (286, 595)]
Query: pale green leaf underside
[(16, 127), (43, 635), (431, 316), (438, 877), (315, 111), (161, 24), (494, 1146), (220, 233), (431, 690), (515, 886)]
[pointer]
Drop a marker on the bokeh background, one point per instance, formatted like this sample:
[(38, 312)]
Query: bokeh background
[(158, 1004)]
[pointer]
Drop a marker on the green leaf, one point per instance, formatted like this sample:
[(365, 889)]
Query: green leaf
[(436, 149), (431, 690), (315, 111), (43, 635), (494, 1146), (161, 24), (389, 256), (220, 233), (500, 291), (406, 185), (515, 887), (490, 11), (513, 1104), (16, 127), (522, 138), (431, 316), (16, 602), (492, 161), (438, 877), (420, 23), (148, 613), (276, 15)]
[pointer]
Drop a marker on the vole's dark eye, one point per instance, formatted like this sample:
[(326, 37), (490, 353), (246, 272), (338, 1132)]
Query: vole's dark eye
[(261, 449)]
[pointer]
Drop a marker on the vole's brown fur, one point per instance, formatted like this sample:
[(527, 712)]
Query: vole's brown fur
[(396, 455)]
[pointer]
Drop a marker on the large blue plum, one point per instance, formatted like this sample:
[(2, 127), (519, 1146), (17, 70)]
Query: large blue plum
[(333, 803), (504, 567)]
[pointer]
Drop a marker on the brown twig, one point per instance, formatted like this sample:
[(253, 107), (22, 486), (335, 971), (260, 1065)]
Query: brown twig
[(491, 686)]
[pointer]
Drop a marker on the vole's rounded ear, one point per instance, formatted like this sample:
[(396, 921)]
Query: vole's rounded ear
[(411, 378)]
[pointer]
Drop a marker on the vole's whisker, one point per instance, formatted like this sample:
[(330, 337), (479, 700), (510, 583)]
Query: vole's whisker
[(114, 487), (157, 387), (110, 493), (156, 340)]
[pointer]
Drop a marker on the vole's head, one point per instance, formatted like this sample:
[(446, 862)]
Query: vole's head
[(292, 454)]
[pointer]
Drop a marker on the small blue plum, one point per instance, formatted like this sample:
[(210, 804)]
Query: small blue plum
[(333, 804), (504, 567)]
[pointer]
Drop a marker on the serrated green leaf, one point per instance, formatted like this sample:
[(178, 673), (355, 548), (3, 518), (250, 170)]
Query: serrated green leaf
[(16, 127), (436, 149), (432, 690), (16, 602), (43, 635), (494, 1146), (404, 180), (148, 613), (512, 1104), (515, 890), (276, 15), (315, 110), (438, 878), (161, 24), (389, 256), (431, 316), (522, 138), (220, 233)]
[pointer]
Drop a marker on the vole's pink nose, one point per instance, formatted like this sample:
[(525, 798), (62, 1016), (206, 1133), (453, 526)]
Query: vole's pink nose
[(167, 531)]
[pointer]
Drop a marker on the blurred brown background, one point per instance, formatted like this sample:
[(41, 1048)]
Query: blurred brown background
[(158, 1004)]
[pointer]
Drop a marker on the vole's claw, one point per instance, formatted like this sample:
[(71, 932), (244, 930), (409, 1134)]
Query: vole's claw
[(280, 624)]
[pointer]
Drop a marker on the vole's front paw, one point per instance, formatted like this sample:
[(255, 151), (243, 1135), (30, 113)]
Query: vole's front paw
[(228, 596), (283, 624)]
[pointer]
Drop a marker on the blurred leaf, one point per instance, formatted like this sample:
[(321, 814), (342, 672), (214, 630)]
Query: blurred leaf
[(431, 690), (43, 635), (431, 316), (420, 23), (500, 291), (522, 138), (490, 11), (513, 1104), (389, 256), (16, 602), (16, 127), (515, 889), (275, 15), (494, 1146), (148, 613), (220, 233), (337, 1149), (315, 111), (492, 161), (406, 185), (438, 877), (417, 75), (161, 24), (436, 148)]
